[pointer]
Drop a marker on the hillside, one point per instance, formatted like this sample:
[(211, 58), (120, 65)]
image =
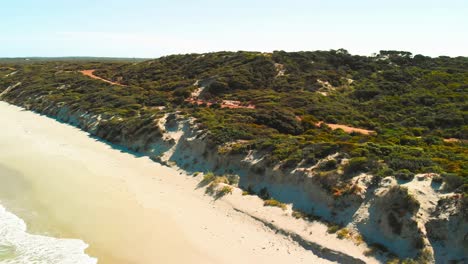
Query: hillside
[(330, 132)]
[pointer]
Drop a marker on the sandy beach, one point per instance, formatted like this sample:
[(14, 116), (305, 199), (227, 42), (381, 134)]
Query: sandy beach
[(128, 209)]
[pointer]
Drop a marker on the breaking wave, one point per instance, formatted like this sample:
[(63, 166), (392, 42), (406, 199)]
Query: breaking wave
[(19, 247)]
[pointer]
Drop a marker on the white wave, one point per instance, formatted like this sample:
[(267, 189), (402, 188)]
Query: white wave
[(19, 247)]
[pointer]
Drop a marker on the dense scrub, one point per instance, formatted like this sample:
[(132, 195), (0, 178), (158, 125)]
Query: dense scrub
[(414, 103)]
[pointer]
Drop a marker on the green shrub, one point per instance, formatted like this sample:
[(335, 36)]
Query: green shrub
[(332, 229), (250, 190), (384, 172), (343, 233), (232, 179), (452, 181), (298, 214), (220, 179), (393, 261), (404, 174), (356, 165), (273, 202), (208, 178), (225, 190), (329, 165)]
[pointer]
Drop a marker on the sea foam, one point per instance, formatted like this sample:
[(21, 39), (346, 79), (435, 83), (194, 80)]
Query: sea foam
[(19, 247)]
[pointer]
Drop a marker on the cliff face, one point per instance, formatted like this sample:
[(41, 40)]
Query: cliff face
[(399, 217), (383, 212), (448, 229), (388, 217)]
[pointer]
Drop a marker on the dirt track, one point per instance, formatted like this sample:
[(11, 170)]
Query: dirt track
[(348, 129), (90, 73)]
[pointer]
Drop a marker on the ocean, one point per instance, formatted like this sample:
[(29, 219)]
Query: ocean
[(19, 247)]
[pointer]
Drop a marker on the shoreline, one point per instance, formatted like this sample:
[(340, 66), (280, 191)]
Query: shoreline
[(18, 246), (210, 230)]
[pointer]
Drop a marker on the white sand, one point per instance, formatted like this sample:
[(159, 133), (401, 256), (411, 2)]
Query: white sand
[(128, 209)]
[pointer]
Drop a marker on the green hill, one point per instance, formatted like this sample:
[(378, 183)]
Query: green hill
[(416, 105)]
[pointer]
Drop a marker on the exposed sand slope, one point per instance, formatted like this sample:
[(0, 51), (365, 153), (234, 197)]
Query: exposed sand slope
[(129, 209)]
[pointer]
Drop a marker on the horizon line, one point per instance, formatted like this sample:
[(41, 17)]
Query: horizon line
[(373, 54)]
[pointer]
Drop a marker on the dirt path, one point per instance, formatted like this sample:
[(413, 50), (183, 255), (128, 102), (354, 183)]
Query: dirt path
[(90, 73), (348, 129), (455, 140)]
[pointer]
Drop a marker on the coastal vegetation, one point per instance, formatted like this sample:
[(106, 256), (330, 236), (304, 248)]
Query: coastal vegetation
[(276, 203), (416, 105), (338, 115)]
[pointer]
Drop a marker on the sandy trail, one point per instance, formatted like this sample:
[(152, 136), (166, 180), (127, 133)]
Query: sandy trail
[(348, 129), (128, 209), (90, 73), (455, 140)]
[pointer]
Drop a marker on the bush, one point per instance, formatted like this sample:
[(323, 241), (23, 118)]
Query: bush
[(273, 202), (384, 172), (393, 261), (328, 165), (343, 233), (332, 229), (280, 119), (452, 181), (208, 178), (264, 194), (225, 190), (221, 179), (404, 175), (298, 214), (356, 165), (250, 190), (410, 161), (232, 179)]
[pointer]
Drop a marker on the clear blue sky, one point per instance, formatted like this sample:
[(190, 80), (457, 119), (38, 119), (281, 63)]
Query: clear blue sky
[(151, 28)]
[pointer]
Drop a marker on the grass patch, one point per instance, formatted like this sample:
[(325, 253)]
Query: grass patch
[(343, 233), (208, 178), (332, 229), (225, 190), (358, 239), (299, 215), (220, 179), (276, 203)]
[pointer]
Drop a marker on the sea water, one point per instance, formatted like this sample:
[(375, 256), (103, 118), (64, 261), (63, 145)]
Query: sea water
[(19, 247)]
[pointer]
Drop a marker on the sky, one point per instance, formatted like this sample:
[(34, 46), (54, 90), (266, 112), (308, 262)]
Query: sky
[(154, 28)]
